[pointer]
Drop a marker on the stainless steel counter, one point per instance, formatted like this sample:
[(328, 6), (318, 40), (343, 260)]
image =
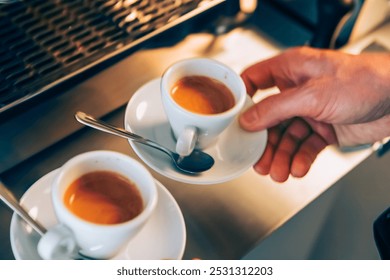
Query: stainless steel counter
[(223, 221)]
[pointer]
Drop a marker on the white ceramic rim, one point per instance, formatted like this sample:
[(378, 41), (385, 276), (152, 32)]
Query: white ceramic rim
[(239, 103), (148, 207)]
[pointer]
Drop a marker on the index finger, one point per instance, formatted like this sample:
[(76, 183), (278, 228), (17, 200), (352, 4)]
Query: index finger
[(259, 75)]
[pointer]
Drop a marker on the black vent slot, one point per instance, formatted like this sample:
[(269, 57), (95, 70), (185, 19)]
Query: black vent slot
[(43, 41)]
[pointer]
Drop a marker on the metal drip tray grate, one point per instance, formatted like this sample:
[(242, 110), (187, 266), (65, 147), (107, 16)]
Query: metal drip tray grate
[(45, 42)]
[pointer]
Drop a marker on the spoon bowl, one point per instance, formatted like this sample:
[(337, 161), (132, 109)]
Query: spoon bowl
[(194, 163)]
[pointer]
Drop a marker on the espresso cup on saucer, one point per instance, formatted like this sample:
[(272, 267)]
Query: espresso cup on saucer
[(201, 97), (101, 200)]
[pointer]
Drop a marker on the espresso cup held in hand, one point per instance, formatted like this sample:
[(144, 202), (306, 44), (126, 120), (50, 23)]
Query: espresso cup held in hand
[(201, 97), (103, 199)]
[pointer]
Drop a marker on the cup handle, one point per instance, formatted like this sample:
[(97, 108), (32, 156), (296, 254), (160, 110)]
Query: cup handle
[(186, 141), (58, 243)]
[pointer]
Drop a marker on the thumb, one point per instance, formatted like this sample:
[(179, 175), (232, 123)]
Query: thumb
[(275, 109)]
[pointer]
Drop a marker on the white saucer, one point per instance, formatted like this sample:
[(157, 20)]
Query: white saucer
[(234, 153), (163, 237)]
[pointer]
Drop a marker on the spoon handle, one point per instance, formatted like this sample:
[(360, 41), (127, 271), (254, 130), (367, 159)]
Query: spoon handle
[(100, 125), (8, 198)]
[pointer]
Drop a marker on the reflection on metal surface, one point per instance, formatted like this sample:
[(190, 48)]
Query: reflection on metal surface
[(248, 6), (228, 23), (45, 43), (8, 1)]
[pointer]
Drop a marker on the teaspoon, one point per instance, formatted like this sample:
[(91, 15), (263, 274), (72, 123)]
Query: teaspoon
[(196, 162), (10, 200)]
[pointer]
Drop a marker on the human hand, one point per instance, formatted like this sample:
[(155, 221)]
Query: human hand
[(326, 97)]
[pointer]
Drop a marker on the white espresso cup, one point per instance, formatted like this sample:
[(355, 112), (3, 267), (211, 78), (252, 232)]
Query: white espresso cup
[(192, 129), (97, 239)]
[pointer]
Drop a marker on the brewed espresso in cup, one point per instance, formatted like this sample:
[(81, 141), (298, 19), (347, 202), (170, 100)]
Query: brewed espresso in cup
[(104, 197), (202, 95)]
